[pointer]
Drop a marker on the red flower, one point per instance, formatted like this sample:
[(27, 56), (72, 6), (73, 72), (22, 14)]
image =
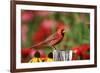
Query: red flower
[(85, 50), (82, 51), (25, 52), (48, 23), (38, 36), (86, 56), (27, 16), (33, 51), (24, 30), (76, 50), (42, 54), (85, 47), (44, 31)]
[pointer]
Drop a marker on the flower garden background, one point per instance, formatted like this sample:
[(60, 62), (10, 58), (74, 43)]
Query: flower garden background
[(36, 26)]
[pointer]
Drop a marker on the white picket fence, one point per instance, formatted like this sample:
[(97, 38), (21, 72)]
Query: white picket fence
[(62, 55)]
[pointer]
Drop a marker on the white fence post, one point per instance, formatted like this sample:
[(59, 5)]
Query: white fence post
[(62, 55)]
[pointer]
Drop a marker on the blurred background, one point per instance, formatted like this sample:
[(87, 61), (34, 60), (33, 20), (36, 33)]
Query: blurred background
[(36, 26)]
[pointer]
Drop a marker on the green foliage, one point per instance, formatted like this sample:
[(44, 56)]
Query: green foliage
[(79, 28), (33, 25), (79, 32)]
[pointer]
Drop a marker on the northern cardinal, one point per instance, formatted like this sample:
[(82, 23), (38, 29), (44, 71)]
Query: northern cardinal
[(54, 38)]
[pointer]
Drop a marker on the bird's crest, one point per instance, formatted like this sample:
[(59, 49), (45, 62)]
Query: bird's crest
[(60, 25)]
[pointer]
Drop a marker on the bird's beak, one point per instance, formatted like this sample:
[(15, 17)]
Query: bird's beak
[(64, 31)]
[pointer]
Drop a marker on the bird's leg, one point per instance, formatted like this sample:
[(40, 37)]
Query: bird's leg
[(53, 47)]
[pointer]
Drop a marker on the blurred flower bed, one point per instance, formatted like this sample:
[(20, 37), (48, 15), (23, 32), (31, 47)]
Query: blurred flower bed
[(38, 25)]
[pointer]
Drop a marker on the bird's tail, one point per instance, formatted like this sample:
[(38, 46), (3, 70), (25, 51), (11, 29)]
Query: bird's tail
[(38, 44)]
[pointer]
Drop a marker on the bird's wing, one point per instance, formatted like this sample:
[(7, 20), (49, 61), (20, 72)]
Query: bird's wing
[(45, 41), (56, 40), (52, 37), (38, 44)]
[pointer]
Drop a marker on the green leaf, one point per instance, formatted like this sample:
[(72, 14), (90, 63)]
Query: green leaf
[(70, 44), (47, 50)]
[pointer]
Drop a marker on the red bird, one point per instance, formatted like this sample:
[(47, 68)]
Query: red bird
[(54, 38)]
